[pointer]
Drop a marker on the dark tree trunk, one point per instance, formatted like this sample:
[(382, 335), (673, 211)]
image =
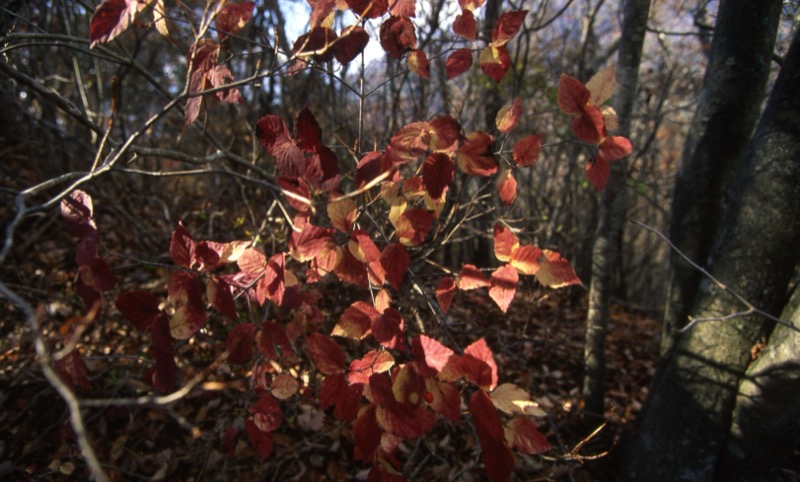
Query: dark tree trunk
[(612, 212), (728, 108), (683, 433)]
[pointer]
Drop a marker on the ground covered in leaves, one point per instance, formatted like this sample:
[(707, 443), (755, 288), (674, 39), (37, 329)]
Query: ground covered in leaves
[(538, 345)]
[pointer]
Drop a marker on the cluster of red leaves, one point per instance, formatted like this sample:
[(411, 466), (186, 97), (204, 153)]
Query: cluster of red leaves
[(94, 278), (592, 120)]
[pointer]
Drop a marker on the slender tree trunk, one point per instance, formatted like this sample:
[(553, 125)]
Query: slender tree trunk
[(727, 111), (683, 432), (612, 212)]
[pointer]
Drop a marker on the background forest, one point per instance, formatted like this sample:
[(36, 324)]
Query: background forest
[(150, 155)]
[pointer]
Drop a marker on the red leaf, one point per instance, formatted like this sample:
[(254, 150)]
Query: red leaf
[(317, 44), (270, 336), (395, 260), (273, 280), (418, 63), (181, 246), (346, 398), (507, 187), (233, 17), (478, 365), (267, 413), (495, 454), (388, 329), (372, 165), (306, 244), (98, 275), (505, 242), (77, 210), (356, 321), (412, 140), (598, 172), (465, 26), (164, 376), (431, 355), (110, 19), (404, 422), (526, 259), (495, 62), (240, 343), (445, 398), (472, 157), (438, 171), (262, 441), (572, 95), (504, 286), (522, 434), (445, 133), (402, 8), (458, 62), (590, 126), (368, 8), (507, 26), (555, 271), (342, 214), (614, 148), (352, 42), (72, 371), (471, 278), (326, 354), (275, 138), (309, 134), (139, 307), (185, 288), (351, 270), (367, 433), (299, 187), (526, 150), (162, 339), (508, 116), (413, 225), (186, 321), (218, 292), (374, 361), (445, 292), (252, 262), (398, 36)]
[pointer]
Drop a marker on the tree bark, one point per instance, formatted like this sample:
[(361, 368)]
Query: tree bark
[(728, 108), (612, 212), (683, 431)]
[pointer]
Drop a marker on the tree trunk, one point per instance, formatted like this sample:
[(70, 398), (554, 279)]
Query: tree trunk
[(612, 212), (728, 108), (683, 431)]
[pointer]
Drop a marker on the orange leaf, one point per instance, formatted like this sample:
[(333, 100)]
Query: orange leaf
[(555, 271), (507, 187), (508, 116), (503, 286), (505, 242), (526, 150)]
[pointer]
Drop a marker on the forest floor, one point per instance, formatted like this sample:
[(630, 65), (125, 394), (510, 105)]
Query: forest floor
[(538, 345)]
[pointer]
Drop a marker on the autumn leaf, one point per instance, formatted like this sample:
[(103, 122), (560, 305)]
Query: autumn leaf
[(503, 286), (374, 361), (508, 116), (522, 434), (284, 386), (457, 63), (139, 307), (402, 8), (478, 365), (445, 292), (351, 44), (507, 26), (233, 17), (495, 454), (525, 259), (513, 400), (387, 329), (472, 155), (444, 398), (355, 321), (398, 36), (240, 342), (505, 242), (466, 26), (555, 271), (602, 85), (413, 225), (218, 292), (110, 19), (342, 213), (326, 354), (507, 187), (186, 321), (418, 63), (526, 150), (471, 278), (495, 61), (438, 171), (431, 355), (395, 261)]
